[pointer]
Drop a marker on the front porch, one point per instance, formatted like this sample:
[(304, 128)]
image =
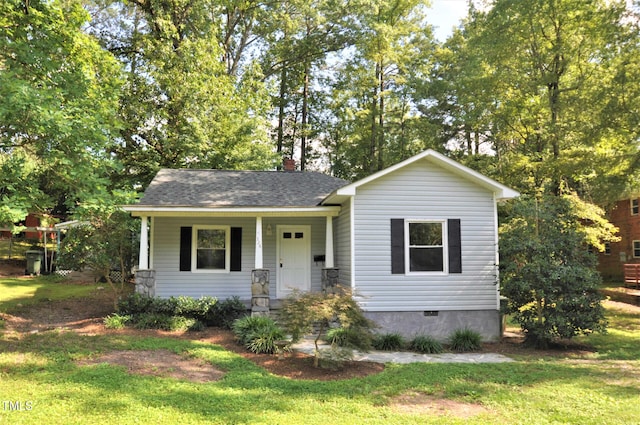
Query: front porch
[(278, 254)]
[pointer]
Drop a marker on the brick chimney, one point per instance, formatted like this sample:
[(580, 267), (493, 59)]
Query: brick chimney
[(289, 164)]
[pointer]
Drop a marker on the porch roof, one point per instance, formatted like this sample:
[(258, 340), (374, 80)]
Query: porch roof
[(224, 192)]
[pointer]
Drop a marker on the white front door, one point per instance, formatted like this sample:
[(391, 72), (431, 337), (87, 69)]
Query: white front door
[(294, 259)]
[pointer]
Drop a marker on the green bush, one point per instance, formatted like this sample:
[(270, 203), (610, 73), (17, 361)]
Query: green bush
[(225, 313), (465, 339), (205, 310), (135, 304), (167, 323), (152, 321), (349, 338), (191, 307), (389, 342), (258, 333), (426, 344), (334, 357), (116, 321)]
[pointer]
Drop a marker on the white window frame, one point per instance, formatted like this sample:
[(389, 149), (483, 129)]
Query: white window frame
[(227, 249), (633, 245), (407, 247), (634, 206)]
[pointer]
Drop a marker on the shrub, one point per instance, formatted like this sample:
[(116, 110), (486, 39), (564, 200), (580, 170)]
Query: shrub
[(225, 313), (389, 342), (192, 307), (349, 338), (465, 339), (426, 344), (258, 333), (152, 321), (134, 304), (116, 321), (312, 312), (333, 358), (167, 323)]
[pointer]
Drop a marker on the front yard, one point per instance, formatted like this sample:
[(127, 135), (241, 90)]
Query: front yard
[(69, 374)]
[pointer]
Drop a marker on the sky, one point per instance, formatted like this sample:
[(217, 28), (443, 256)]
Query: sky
[(446, 14)]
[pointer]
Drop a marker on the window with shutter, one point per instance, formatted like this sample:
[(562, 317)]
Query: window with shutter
[(210, 248), (423, 246)]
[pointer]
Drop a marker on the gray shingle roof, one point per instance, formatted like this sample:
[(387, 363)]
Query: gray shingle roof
[(221, 188)]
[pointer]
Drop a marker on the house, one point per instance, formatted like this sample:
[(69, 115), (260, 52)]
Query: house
[(624, 214), (417, 242)]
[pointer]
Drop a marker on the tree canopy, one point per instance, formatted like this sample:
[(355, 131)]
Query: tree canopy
[(97, 95)]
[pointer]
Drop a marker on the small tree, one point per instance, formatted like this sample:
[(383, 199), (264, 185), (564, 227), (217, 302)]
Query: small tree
[(103, 243), (311, 313), (547, 270)]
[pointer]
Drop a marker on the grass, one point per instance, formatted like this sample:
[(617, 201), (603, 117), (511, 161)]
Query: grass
[(594, 388), (17, 291)]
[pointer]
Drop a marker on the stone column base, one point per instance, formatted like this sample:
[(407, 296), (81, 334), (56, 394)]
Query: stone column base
[(330, 280), (146, 282), (260, 292)]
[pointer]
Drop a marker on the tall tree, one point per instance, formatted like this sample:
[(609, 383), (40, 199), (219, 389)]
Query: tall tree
[(531, 80), (372, 87), (186, 103), (308, 34), (58, 104)]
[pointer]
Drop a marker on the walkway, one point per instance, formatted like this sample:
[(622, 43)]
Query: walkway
[(404, 357)]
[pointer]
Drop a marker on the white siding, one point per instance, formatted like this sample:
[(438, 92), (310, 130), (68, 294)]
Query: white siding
[(342, 242), (172, 282), (424, 191)]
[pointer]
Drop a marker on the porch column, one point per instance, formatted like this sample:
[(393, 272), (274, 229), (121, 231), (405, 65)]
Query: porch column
[(329, 244), (143, 263), (259, 262)]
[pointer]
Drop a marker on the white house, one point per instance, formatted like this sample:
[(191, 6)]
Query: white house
[(417, 242)]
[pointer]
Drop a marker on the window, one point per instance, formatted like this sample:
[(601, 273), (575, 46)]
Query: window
[(210, 248), (426, 246), (422, 246), (636, 249), (607, 248), (634, 206)]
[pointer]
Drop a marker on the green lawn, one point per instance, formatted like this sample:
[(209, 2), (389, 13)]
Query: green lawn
[(38, 374), (30, 291)]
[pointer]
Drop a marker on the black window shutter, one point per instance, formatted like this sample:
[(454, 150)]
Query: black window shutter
[(455, 245), (236, 249), (185, 249), (397, 246)]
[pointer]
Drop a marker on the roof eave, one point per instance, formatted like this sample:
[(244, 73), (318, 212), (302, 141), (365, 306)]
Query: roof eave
[(186, 211)]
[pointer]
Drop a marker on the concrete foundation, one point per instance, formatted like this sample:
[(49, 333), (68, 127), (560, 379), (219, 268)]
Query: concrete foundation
[(437, 324), (146, 282)]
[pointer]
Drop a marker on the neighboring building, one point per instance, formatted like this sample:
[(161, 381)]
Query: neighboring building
[(416, 242), (624, 215)]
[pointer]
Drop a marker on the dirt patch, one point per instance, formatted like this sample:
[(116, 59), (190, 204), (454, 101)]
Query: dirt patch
[(425, 404), (162, 363), (72, 313), (12, 268)]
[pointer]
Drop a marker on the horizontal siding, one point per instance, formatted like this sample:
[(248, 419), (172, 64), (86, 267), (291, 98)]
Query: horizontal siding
[(342, 243), (427, 192), (172, 282)]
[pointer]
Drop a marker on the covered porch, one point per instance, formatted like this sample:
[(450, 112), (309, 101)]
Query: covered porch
[(281, 250)]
